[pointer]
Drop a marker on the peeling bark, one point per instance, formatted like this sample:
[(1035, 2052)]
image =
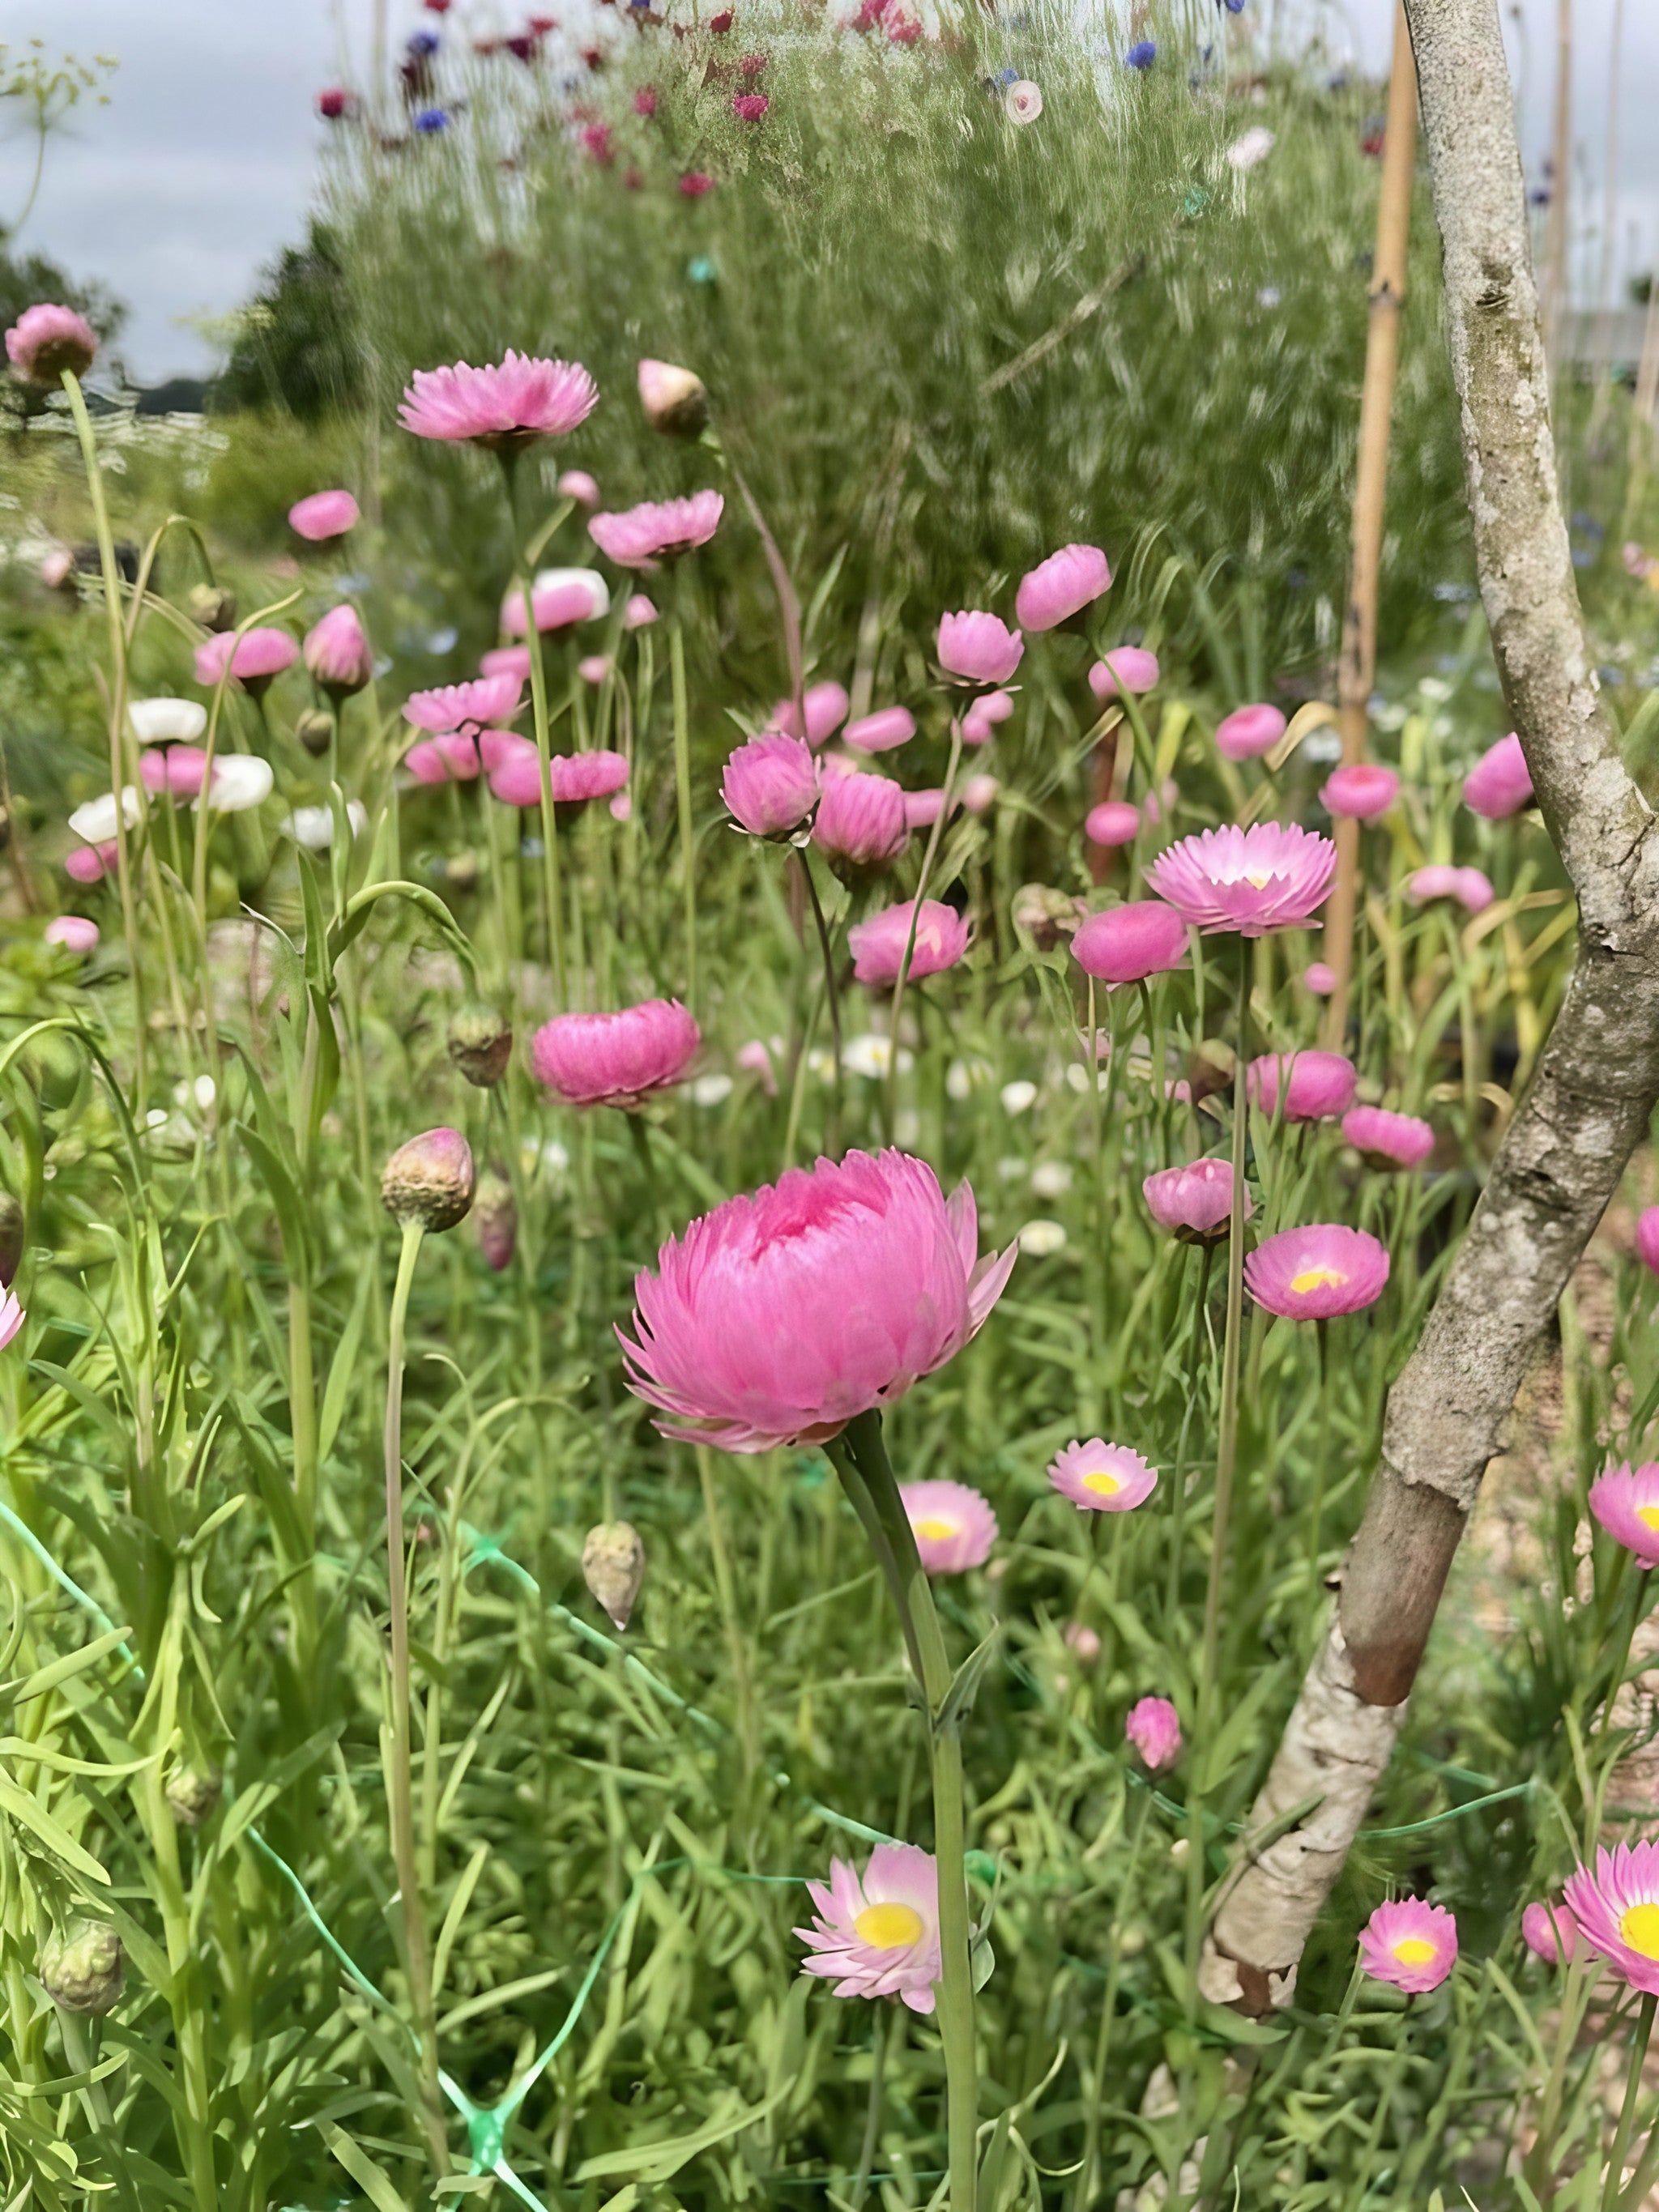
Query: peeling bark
[(1592, 1099)]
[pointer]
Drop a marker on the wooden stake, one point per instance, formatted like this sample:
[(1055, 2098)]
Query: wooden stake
[(1357, 669), (1555, 301)]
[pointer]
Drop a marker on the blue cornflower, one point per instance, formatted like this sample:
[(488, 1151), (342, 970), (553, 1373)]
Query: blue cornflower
[(1235, 7), (432, 119), (1008, 77), (1142, 54), (423, 42)]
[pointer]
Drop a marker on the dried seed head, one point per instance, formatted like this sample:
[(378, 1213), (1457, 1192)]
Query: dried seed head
[(193, 1794), (1046, 915), (480, 1044), (497, 1218), (82, 1969), (314, 729), (613, 1567), (213, 608), (429, 1179), (1211, 1069)]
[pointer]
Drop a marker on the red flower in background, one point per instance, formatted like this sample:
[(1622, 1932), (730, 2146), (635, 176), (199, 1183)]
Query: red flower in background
[(695, 183), (597, 139), (750, 107), (645, 101), (722, 22)]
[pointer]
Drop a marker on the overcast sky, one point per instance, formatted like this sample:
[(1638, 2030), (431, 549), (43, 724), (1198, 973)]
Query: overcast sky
[(200, 166)]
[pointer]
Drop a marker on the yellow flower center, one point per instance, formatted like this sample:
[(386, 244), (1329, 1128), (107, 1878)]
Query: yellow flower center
[(1258, 883), (1639, 1928), (936, 1532), (888, 1927), (1316, 1279), (1648, 1516), (1102, 1484), (1414, 1951)]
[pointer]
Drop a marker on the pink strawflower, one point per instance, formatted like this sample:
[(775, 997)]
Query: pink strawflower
[(658, 529), (756, 1059), (1550, 1932), (978, 648), (825, 706), (1248, 732), (750, 107), (579, 777), (1316, 1271), (1125, 668), (1617, 1910), (1362, 791), (695, 183), (1061, 586), (1471, 888), (512, 660), (1153, 1726), (1126, 943), (954, 1527), (11, 1318), (881, 732), (46, 340), (76, 935), (577, 484), (1399, 1138), (923, 808), (501, 406), (337, 653), (485, 702), (178, 770), (979, 724), (450, 757), (1102, 1478), (877, 1936), (1321, 1084), (558, 601), (1647, 1238), (1196, 1201), (253, 659), (1626, 1501), (645, 101), (615, 1059), (770, 785), (324, 514), (639, 613), (1267, 877), (90, 864), (515, 769), (1409, 1943), (878, 945), (776, 1318), (1320, 979), (860, 820), (1079, 1637), (1500, 782), (1114, 821)]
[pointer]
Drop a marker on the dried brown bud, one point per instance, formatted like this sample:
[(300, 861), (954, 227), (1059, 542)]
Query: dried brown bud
[(429, 1179), (1046, 915), (314, 729), (461, 871), (1210, 1071), (193, 1794), (481, 1044), (81, 1969), (674, 400), (613, 1567), (213, 608), (497, 1218), (11, 1238)]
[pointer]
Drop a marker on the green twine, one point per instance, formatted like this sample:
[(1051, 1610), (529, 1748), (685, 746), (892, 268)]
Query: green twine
[(32, 1545)]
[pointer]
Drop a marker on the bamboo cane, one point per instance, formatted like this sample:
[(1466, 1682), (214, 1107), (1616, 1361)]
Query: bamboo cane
[(1553, 304), (1356, 668)]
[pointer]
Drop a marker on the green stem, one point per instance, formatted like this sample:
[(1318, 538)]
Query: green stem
[(1178, 1480), (1638, 2050), (1083, 2196), (683, 796), (834, 996), (927, 858), (1227, 1440), (725, 1588)]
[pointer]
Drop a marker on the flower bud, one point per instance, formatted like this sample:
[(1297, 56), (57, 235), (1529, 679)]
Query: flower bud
[(613, 1567), (11, 1238), (81, 1969), (1046, 915), (213, 608), (429, 1179), (314, 729), (1210, 1071), (193, 1794), (497, 1218), (480, 1044), (674, 400)]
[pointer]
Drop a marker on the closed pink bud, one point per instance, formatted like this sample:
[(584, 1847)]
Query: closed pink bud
[(577, 484), (860, 821), (978, 647), (73, 931), (770, 785), (1114, 821), (1154, 1728), (1125, 668), (881, 732), (1319, 979), (325, 514), (615, 1059), (1500, 782), (979, 794), (1362, 791), (1320, 1084), (639, 612), (497, 1218), (1471, 888), (1195, 1202), (253, 659), (1061, 586), (878, 945), (177, 769), (90, 864), (429, 1179), (1126, 943), (979, 724), (1248, 732), (337, 653), (1550, 1932), (825, 706), (1647, 1238), (1387, 1139)]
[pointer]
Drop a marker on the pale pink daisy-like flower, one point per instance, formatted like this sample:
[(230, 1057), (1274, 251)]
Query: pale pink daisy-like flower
[(512, 660), (337, 653), (1320, 979), (1248, 732), (1471, 888), (1102, 1478), (1317, 1272), (979, 724), (877, 1935), (1153, 1726), (1061, 586), (12, 1317), (324, 514), (1647, 1238), (1617, 1910), (485, 702), (515, 774), (1363, 791), (1022, 103), (253, 659), (46, 340), (1409, 1943), (1320, 1084), (882, 731), (1194, 1201), (954, 1526), (825, 706), (1114, 821), (615, 1059), (657, 530), (74, 933), (1500, 782), (878, 945), (860, 821), (770, 785), (501, 406), (1125, 668), (450, 757), (1268, 877), (1399, 1139), (1625, 1499), (1126, 943), (1550, 1932), (779, 1317), (977, 647)]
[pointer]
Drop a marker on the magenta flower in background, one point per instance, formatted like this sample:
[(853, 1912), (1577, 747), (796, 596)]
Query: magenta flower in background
[(46, 340), (450, 757), (1363, 791), (178, 770), (877, 1935), (1061, 586), (658, 530), (90, 864), (1550, 1932), (1647, 1238), (11, 1316), (954, 1527), (1471, 888), (750, 107), (1320, 1084), (1153, 1726), (499, 407), (979, 724), (1126, 943), (923, 808), (860, 820), (1617, 1910), (512, 660), (593, 667), (1267, 877), (324, 514), (576, 778), (1196, 1202), (1125, 668), (1316, 1271), (1500, 782), (639, 612), (878, 945), (337, 653), (778, 1317), (1626, 1501), (577, 484), (978, 648), (1320, 979), (1409, 1943), (253, 659), (825, 707), (1248, 732), (1398, 1140), (74, 933), (1102, 1478), (755, 1059), (1114, 821), (882, 731), (695, 183), (770, 785), (483, 703), (615, 1059)]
